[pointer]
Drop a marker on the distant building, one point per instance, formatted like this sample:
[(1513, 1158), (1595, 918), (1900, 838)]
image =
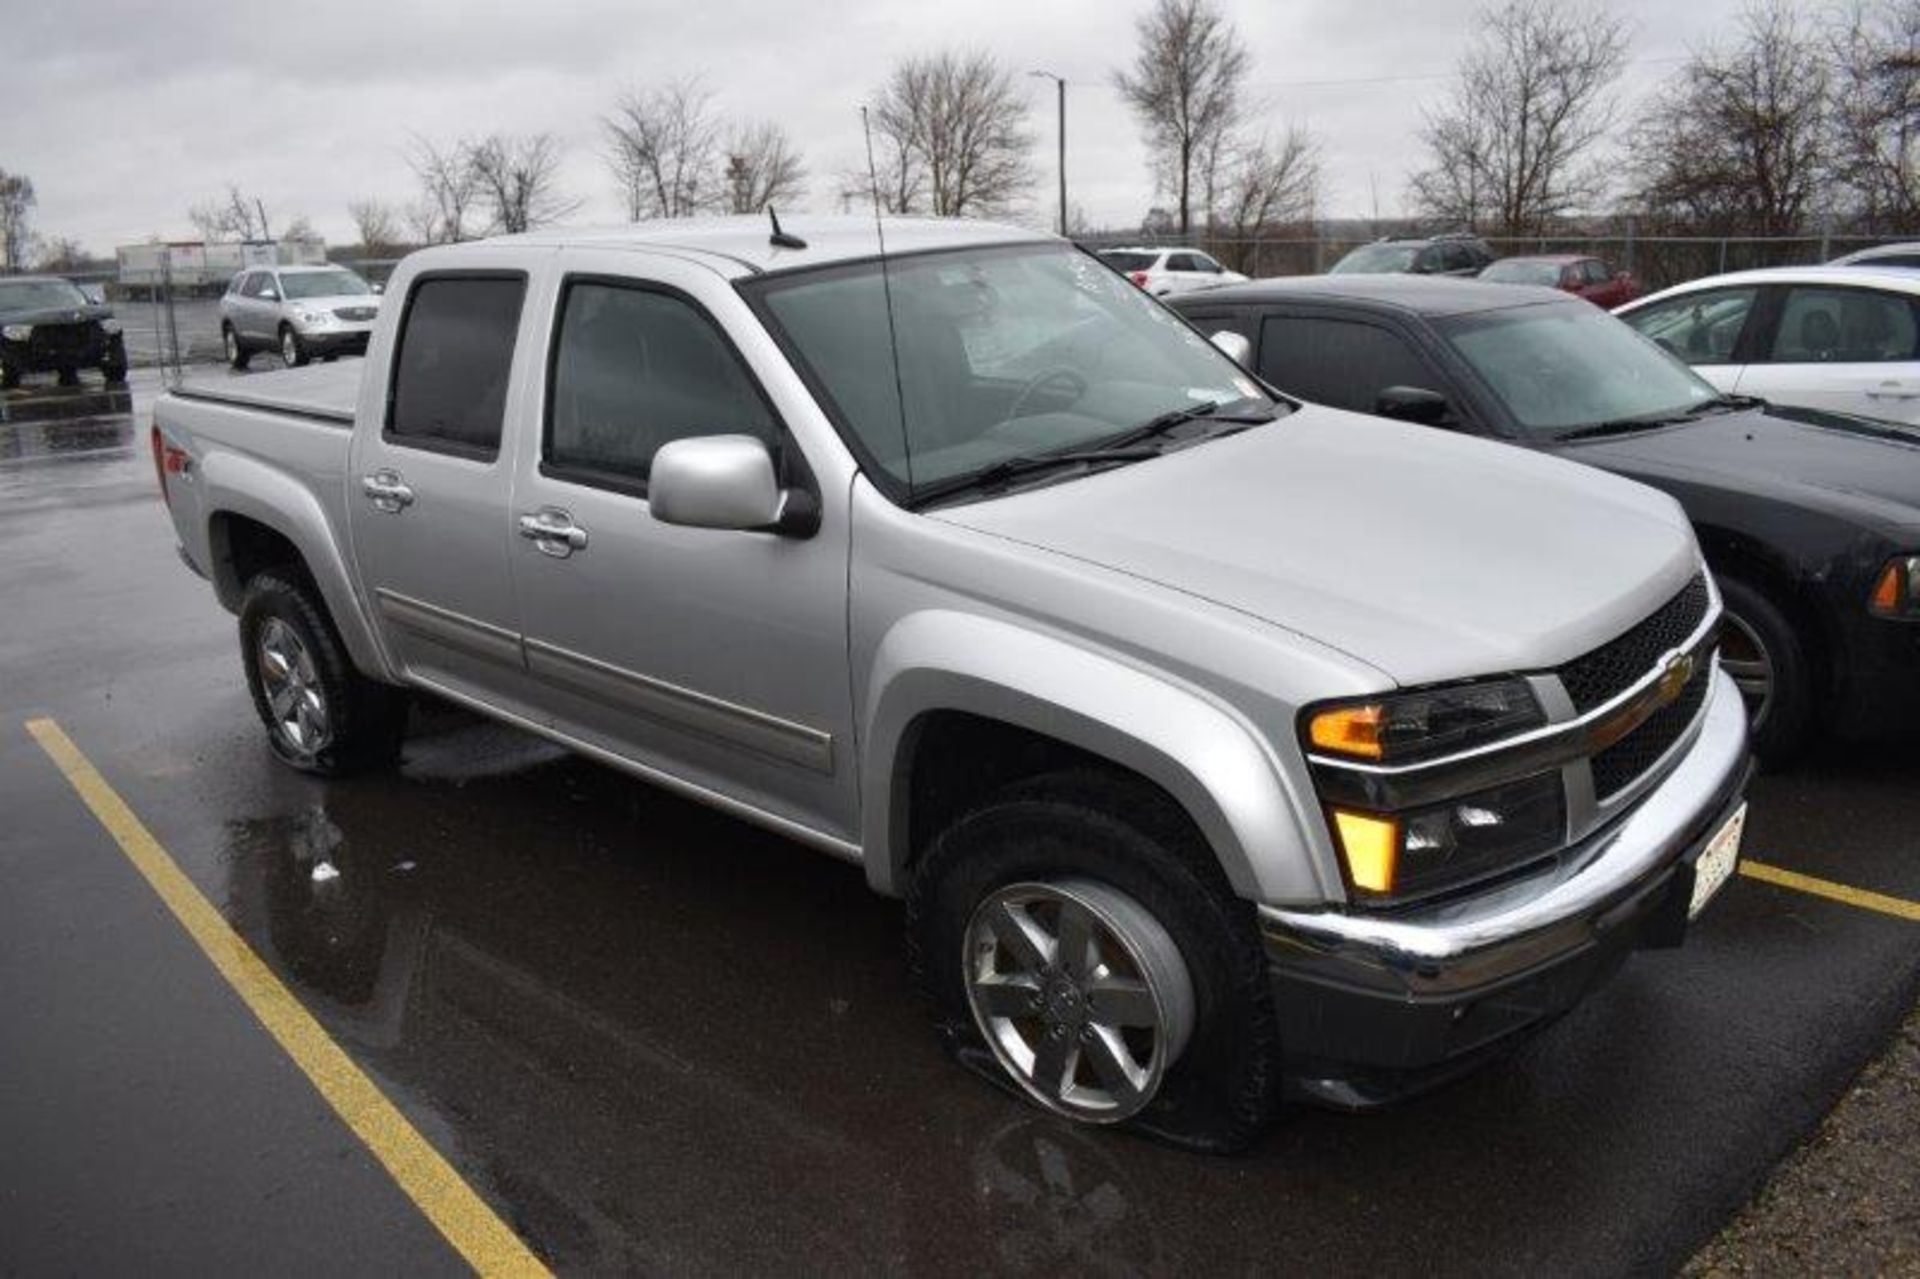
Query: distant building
[(195, 266)]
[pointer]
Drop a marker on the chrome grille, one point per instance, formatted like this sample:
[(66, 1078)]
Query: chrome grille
[(356, 312), (1621, 764)]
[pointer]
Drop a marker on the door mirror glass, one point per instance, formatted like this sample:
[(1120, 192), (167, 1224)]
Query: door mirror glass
[(1412, 404), (725, 482), (378, 289), (269, 294), (1234, 345)]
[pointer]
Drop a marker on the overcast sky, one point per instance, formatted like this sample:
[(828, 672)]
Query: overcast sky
[(125, 113)]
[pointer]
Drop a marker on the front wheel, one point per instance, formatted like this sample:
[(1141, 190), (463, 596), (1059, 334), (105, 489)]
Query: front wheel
[(322, 715), (1081, 947), (1767, 659), (238, 356), (293, 351), (113, 369)]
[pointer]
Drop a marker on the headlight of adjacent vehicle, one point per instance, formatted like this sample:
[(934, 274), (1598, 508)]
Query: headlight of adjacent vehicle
[(17, 332), (110, 327), (315, 317), (1423, 850), (1896, 592), (1400, 728)]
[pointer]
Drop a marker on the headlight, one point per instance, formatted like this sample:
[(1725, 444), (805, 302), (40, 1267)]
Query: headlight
[(1400, 728), (315, 317), (17, 332), (1424, 850), (110, 327), (1896, 592)]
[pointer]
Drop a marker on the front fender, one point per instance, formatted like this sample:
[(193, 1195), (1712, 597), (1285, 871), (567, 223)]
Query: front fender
[(239, 485), (1207, 757)]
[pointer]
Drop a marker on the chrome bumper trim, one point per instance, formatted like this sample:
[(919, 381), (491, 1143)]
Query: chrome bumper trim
[(1531, 921)]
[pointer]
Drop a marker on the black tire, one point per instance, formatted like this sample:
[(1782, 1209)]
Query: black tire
[(9, 377), (1091, 826), (114, 367), (366, 720), (68, 377), (1757, 627), (293, 349), (238, 354)]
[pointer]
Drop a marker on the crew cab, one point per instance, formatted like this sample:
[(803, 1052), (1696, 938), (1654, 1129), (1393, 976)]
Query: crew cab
[(1224, 749)]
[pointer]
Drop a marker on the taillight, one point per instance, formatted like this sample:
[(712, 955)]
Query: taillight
[(160, 464), (1138, 277)]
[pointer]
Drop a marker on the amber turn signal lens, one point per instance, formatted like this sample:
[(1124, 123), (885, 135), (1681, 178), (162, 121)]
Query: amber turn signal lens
[(1886, 591), (1348, 730), (1371, 846)]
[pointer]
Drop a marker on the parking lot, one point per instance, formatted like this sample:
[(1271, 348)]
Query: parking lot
[(647, 1037)]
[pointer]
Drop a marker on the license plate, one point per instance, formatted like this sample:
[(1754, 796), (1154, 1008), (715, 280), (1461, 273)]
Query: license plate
[(1716, 862)]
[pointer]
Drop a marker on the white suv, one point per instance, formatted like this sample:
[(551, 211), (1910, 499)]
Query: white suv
[(298, 312), (1164, 271)]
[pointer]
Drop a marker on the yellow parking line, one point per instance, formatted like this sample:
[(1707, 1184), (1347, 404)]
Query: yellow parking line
[(426, 1178), (1895, 906)]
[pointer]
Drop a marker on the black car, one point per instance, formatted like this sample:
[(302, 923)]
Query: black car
[(1810, 521), (1455, 253), (47, 325)]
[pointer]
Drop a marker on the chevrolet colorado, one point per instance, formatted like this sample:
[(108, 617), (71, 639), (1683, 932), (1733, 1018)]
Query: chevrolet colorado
[(1224, 749)]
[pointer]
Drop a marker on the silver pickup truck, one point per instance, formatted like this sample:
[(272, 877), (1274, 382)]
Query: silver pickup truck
[(1223, 749)]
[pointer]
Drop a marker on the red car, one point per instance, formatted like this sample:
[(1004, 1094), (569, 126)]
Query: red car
[(1591, 278)]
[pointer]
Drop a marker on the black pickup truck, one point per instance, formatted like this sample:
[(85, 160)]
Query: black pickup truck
[(1809, 520), (47, 325)]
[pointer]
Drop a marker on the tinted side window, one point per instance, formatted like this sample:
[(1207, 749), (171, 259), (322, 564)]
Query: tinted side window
[(1457, 257), (1598, 272), (1700, 328), (1201, 262), (254, 283), (455, 355), (1182, 262), (634, 369), (1343, 363), (1843, 326)]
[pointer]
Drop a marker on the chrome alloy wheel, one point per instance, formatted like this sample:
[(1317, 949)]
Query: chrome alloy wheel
[(1081, 994), (1746, 661), (233, 346), (289, 348), (295, 697)]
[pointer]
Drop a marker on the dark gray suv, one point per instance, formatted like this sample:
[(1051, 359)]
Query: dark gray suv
[(1455, 253)]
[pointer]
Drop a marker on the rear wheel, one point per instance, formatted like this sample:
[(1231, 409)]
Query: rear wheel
[(238, 356), (322, 715), (1082, 948), (1767, 659)]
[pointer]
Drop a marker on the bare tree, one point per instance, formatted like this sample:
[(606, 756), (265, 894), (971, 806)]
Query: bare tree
[(449, 193), (1516, 139), (1185, 86), (1876, 111), (16, 220), (60, 254), (954, 133), (762, 169), (1737, 141), (237, 217), (374, 223), (517, 179), (663, 146), (1271, 183)]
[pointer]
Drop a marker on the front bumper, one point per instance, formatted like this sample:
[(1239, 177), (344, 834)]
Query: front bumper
[(54, 347), (1375, 1005), (337, 340)]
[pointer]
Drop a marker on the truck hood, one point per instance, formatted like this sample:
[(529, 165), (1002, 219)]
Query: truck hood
[(1846, 466), (1427, 555)]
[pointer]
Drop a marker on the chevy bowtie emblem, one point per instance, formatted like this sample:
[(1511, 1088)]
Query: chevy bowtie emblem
[(1674, 678)]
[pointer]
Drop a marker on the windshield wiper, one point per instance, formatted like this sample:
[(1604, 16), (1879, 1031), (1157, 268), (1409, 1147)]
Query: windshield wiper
[(1626, 425), (1208, 411), (1007, 470)]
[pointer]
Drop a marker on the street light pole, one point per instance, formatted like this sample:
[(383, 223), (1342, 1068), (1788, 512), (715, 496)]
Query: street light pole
[(1061, 86)]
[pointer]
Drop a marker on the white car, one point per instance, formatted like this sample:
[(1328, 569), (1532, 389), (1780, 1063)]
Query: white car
[(1842, 338), (1164, 271)]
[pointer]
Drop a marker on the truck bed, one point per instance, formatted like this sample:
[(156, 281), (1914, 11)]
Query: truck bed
[(322, 391)]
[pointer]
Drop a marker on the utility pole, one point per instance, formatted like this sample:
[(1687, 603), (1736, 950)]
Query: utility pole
[(1060, 85)]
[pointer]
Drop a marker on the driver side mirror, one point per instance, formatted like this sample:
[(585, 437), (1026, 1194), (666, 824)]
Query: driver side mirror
[(378, 288), (269, 295), (1413, 404), (726, 482), (1233, 345)]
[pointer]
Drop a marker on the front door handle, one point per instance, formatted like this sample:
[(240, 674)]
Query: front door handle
[(553, 532), (387, 491)]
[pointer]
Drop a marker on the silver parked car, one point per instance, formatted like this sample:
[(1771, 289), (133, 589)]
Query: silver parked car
[(298, 311)]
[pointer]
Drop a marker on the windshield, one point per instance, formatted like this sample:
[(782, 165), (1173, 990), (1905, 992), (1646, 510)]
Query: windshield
[(1377, 259), (1129, 260), (39, 295), (1523, 271), (322, 284), (1003, 353), (1565, 366)]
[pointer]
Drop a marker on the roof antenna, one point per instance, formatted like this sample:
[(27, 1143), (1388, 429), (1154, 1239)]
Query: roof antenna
[(886, 286), (780, 239)]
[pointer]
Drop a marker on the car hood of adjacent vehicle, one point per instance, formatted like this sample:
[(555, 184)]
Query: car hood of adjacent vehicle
[(1841, 464), (1426, 555), (77, 314)]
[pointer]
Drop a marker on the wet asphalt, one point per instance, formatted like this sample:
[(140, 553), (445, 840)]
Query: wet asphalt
[(656, 1039)]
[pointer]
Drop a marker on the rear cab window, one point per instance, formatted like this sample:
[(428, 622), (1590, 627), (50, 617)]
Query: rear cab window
[(453, 361)]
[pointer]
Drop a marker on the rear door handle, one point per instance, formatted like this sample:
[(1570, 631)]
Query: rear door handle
[(553, 532), (387, 491)]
